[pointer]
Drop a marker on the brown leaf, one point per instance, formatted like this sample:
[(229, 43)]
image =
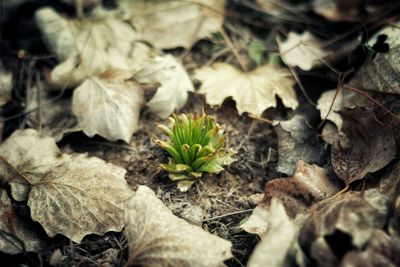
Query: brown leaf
[(381, 250), (344, 223), (365, 145), (16, 236), (309, 184), (156, 237)]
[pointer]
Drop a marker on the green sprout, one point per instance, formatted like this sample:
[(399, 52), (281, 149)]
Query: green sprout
[(196, 146)]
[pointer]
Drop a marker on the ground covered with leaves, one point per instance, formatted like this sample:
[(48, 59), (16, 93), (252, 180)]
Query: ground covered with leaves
[(305, 95)]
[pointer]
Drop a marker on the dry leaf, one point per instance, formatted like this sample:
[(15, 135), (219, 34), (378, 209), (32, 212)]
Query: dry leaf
[(344, 99), (278, 246), (5, 86), (253, 92), (307, 52), (108, 105), (381, 250), (68, 194), (14, 230), (390, 181), (80, 197), (365, 145), (297, 140), (174, 84), (309, 184), (171, 23), (156, 237), (348, 220), (381, 71), (90, 46), (277, 8)]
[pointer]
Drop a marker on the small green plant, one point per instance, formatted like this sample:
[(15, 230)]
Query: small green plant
[(196, 146)]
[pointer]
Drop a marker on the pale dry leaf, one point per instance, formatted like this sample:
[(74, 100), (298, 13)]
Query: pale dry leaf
[(174, 23), (29, 154), (307, 51), (16, 236), (365, 145), (89, 46), (278, 246), (174, 84), (156, 237), (380, 72), (68, 194), (82, 196), (253, 92), (344, 99), (5, 86), (108, 105)]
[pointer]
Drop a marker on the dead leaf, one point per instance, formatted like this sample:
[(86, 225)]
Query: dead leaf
[(307, 52), (309, 184), (278, 245), (350, 11), (253, 92), (349, 221), (380, 72), (108, 105), (174, 84), (365, 145), (297, 140), (170, 23), (80, 197), (14, 230), (5, 86), (390, 181), (277, 8), (68, 194), (89, 46), (381, 250), (158, 238)]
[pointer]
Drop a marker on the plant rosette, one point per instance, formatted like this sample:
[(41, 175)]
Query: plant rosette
[(196, 146)]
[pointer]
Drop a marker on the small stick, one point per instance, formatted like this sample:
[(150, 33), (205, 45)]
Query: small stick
[(227, 214)]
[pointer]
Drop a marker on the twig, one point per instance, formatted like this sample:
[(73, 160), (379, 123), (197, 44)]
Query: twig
[(227, 214)]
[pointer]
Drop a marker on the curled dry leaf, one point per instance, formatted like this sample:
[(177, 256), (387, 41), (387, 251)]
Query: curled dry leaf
[(156, 237), (253, 92), (68, 194), (308, 185), (174, 84), (297, 140), (365, 145), (381, 72), (16, 237), (349, 220), (108, 105), (278, 245), (170, 23), (89, 46), (344, 99), (307, 52)]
